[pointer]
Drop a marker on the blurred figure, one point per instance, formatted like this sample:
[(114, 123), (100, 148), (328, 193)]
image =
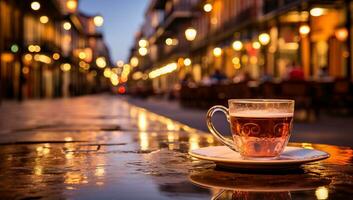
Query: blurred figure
[(218, 76), (242, 77), (295, 72), (188, 80), (206, 80), (324, 75)]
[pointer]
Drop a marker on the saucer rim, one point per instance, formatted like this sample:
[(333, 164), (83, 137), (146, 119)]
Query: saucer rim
[(324, 155), (210, 186)]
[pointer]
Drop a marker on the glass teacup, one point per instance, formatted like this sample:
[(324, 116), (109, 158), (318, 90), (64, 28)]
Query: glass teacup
[(260, 127)]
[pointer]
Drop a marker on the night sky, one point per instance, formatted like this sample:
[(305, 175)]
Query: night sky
[(122, 19)]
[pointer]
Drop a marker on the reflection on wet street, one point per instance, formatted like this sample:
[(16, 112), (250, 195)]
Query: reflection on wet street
[(100, 147)]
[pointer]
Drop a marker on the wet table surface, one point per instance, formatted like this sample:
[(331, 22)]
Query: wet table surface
[(100, 147)]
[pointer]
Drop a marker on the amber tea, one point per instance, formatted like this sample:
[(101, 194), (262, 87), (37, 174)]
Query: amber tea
[(260, 133)]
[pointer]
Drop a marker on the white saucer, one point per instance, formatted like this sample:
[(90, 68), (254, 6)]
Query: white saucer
[(291, 157)]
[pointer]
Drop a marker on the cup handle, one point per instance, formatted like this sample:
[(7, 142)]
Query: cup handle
[(229, 143)]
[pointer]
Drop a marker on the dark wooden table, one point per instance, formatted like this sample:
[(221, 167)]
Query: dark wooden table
[(104, 148)]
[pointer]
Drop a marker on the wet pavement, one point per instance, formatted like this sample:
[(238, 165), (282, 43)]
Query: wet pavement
[(101, 147)]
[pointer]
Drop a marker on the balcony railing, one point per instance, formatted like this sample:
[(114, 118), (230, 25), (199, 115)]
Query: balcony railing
[(184, 6)]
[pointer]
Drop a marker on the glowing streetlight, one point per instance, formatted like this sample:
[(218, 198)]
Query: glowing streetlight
[(101, 62), (107, 73), (143, 43), (237, 45), (134, 61), (82, 55), (71, 5), (35, 5), (217, 51), (236, 60), (65, 67), (44, 19), (317, 12), (169, 41), (120, 63), (207, 7), (341, 34), (56, 56), (190, 34), (98, 21), (256, 45), (264, 38), (143, 51), (187, 62), (67, 25), (304, 29)]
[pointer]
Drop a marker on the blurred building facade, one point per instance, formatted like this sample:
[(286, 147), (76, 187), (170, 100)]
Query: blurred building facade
[(259, 38), (48, 49)]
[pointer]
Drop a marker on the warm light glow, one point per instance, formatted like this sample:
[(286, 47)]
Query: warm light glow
[(67, 25), (341, 34), (137, 75), (120, 63), (321, 193), (134, 61), (107, 73), (101, 62), (217, 51), (28, 57), (143, 43), (190, 34), (34, 48), (56, 56), (163, 70), (169, 41), (42, 58), (304, 29), (144, 141), (194, 142), (187, 62), (35, 5), (143, 51), (207, 7), (98, 21), (44, 19), (100, 171), (71, 5), (237, 45), (317, 12), (256, 45), (142, 122), (37, 48), (114, 79), (236, 60), (121, 90), (65, 67), (31, 48), (82, 55), (25, 70), (264, 38), (7, 57), (253, 60)]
